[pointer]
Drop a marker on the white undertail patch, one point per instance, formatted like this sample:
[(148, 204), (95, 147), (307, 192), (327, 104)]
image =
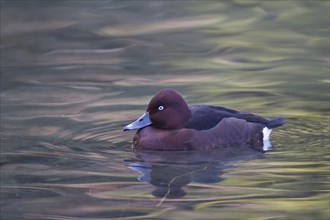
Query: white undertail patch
[(266, 132), (266, 142)]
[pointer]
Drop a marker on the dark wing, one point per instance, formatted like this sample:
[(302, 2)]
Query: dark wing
[(206, 117)]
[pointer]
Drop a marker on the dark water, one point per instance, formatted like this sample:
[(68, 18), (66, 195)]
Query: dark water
[(74, 73)]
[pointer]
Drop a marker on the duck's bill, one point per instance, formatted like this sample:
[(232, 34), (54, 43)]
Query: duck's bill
[(141, 122)]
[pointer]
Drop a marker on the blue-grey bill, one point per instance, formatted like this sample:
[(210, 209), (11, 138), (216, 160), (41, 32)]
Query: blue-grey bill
[(141, 122)]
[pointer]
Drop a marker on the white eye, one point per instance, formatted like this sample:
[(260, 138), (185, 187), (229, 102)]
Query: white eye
[(160, 108)]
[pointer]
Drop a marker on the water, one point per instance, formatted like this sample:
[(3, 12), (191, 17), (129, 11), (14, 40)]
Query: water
[(74, 73)]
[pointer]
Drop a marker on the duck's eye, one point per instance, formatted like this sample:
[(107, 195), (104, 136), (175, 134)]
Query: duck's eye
[(160, 108)]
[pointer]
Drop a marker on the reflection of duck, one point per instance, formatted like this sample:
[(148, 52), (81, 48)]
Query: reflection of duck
[(169, 124), (170, 171)]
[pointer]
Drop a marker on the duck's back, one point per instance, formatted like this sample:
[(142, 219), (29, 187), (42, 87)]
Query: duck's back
[(205, 117)]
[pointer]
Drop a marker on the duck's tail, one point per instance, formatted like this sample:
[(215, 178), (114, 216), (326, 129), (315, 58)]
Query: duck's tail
[(272, 123), (275, 122)]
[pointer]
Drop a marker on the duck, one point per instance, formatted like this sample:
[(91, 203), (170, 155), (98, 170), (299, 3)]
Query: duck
[(169, 124)]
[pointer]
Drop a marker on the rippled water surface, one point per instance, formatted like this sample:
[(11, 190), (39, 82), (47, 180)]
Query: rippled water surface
[(74, 73)]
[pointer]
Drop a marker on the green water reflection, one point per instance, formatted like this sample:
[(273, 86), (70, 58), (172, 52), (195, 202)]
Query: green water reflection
[(74, 73)]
